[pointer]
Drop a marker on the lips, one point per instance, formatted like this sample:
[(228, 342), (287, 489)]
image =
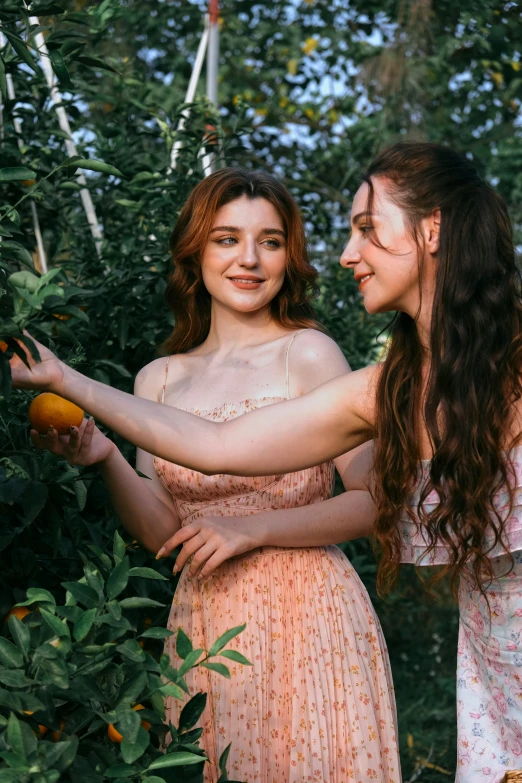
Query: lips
[(363, 279), (246, 283), (247, 279)]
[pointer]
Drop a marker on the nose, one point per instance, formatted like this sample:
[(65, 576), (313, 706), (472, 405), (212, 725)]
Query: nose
[(350, 256), (250, 256)]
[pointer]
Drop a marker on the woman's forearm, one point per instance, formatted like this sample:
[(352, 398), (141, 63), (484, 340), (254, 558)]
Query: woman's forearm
[(342, 518), (139, 510), (278, 438)]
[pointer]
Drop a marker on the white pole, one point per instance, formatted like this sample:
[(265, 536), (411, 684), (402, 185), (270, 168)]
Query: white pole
[(18, 128), (191, 91), (212, 70), (63, 121)]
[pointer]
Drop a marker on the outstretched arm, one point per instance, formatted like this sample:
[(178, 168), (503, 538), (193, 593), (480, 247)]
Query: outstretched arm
[(279, 438)]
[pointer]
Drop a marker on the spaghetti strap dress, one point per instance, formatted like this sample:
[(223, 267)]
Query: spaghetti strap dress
[(489, 652), (317, 704)]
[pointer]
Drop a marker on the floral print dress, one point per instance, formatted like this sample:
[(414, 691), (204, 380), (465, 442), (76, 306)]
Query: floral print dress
[(489, 655), (317, 704)]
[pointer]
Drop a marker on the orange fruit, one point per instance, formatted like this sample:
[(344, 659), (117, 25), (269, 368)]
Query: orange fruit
[(62, 316), (115, 736), (49, 410), (42, 729), (3, 345), (57, 734), (29, 182), (17, 611)]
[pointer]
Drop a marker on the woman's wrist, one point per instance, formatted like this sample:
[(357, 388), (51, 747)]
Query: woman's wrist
[(60, 385)]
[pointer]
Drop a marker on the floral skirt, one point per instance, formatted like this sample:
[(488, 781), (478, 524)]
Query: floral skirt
[(489, 677)]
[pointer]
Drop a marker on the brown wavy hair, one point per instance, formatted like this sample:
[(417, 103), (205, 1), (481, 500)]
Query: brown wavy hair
[(186, 294), (475, 368)]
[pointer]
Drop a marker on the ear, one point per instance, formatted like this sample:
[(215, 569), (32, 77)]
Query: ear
[(432, 232)]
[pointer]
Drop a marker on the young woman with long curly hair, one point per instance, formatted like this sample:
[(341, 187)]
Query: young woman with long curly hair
[(432, 241), (317, 702)]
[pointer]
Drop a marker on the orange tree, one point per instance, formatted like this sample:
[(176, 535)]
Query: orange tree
[(89, 650)]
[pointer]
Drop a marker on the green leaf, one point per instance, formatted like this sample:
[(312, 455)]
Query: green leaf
[(236, 656), (131, 649), (14, 678), (220, 668), (190, 660), (60, 68), (121, 771), (20, 634), (131, 751), (14, 173), (147, 573), (119, 546), (192, 711), (128, 723), (84, 624), (82, 593), (37, 594), (79, 488), (175, 760), (225, 638), (133, 689), (3, 82), (152, 779), (172, 690), (135, 602), (95, 165), (183, 644), (117, 581), (224, 758), (157, 633), (14, 735), (20, 48), (55, 624), (10, 655), (95, 62)]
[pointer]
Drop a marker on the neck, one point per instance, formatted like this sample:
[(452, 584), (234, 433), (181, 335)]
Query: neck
[(231, 330)]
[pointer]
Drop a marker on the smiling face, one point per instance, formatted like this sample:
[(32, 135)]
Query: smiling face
[(244, 261), (388, 276)]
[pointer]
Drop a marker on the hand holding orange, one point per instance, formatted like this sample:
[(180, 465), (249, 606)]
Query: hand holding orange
[(49, 410)]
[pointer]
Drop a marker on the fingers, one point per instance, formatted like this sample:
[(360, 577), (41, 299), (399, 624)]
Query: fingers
[(200, 558), (218, 558), (179, 538), (48, 441), (187, 550)]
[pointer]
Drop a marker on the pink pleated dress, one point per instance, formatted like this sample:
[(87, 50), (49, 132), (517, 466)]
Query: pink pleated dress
[(317, 704), (489, 653)]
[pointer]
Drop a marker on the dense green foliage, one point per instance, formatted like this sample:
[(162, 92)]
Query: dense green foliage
[(309, 90)]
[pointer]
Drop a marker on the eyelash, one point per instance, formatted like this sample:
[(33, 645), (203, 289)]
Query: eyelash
[(365, 229), (224, 240)]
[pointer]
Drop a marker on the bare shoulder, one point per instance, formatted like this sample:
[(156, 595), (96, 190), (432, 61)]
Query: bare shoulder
[(149, 380), (314, 359)]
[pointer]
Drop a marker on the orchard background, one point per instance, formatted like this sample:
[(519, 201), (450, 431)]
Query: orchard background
[(309, 91)]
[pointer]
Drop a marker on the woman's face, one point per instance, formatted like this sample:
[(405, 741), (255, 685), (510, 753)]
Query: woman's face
[(388, 276), (244, 261)]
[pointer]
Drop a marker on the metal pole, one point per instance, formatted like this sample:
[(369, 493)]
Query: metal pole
[(191, 91), (63, 121), (18, 128), (212, 70)]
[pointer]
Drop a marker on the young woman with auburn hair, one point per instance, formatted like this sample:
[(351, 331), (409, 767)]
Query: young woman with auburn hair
[(317, 702)]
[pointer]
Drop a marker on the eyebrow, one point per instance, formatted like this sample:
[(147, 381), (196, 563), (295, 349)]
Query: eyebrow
[(237, 230), (356, 218)]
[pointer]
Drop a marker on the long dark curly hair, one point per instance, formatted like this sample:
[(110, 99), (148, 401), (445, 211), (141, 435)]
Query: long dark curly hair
[(475, 365), (186, 294)]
